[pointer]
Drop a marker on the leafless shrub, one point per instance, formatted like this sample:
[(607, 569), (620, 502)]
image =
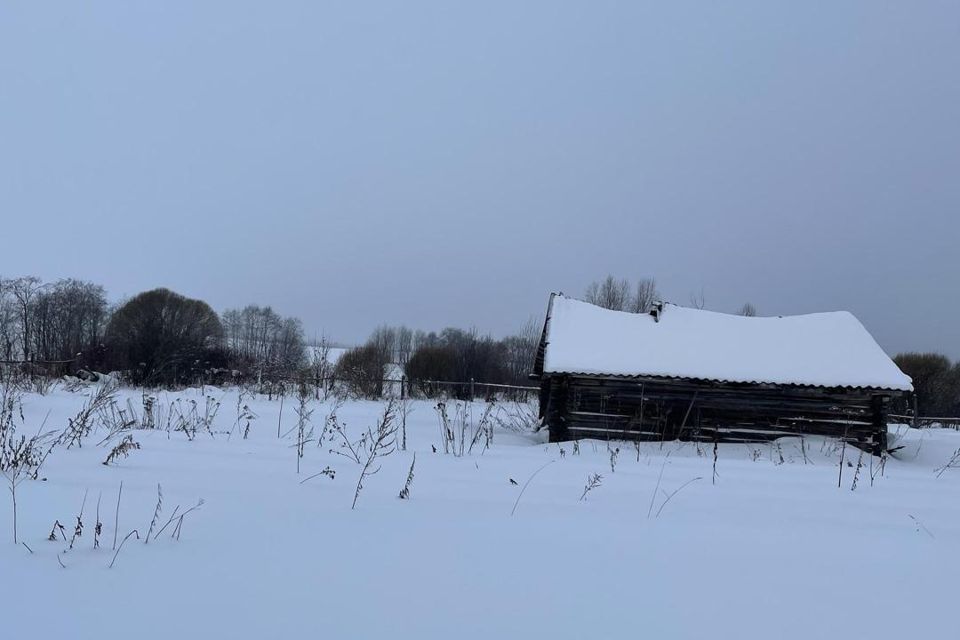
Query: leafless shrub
[(116, 420), (73, 385), (191, 421), (484, 428), (593, 481), (337, 432), (518, 417), (455, 431), (80, 426), (20, 457), (122, 449), (361, 369), (382, 441), (327, 432), (38, 383)]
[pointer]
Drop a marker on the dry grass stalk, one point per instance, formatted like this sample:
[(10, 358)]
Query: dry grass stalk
[(593, 481), (526, 484), (405, 492), (381, 443), (132, 533), (156, 514), (122, 449)]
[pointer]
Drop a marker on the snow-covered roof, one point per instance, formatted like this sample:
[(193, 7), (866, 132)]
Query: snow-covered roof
[(819, 349)]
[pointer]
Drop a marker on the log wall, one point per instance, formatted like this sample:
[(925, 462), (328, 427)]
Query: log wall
[(577, 407)]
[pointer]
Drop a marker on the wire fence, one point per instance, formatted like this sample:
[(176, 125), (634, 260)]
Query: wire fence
[(404, 387), (468, 390), (401, 387), (921, 422)]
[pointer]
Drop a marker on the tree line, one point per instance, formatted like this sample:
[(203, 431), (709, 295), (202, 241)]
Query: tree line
[(452, 355), (619, 294), (160, 337), (936, 383), (155, 337)]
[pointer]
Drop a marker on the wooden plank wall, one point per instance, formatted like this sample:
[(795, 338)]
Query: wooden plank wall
[(667, 409)]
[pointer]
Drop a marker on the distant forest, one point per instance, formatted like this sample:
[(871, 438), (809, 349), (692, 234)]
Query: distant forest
[(161, 338)]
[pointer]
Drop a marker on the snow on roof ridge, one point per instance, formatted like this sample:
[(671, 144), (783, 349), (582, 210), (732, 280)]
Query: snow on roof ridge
[(825, 349)]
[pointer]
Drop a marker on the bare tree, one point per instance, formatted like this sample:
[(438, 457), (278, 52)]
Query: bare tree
[(404, 345), (361, 369), (609, 294), (645, 294), (261, 341), (747, 310), (161, 336), (520, 351), (58, 321), (384, 340), (69, 319), (698, 300), (25, 291), (7, 320), (320, 366)]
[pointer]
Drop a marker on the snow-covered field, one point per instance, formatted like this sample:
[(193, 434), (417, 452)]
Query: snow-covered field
[(771, 550)]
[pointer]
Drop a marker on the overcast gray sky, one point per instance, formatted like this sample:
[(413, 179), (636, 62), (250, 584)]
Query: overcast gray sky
[(439, 163)]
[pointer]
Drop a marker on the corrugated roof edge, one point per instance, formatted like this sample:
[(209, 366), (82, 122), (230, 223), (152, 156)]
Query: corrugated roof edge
[(641, 376)]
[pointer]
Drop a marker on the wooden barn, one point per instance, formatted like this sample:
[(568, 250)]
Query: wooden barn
[(689, 374)]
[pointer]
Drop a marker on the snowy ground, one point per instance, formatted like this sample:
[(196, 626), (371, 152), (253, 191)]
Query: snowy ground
[(772, 550)]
